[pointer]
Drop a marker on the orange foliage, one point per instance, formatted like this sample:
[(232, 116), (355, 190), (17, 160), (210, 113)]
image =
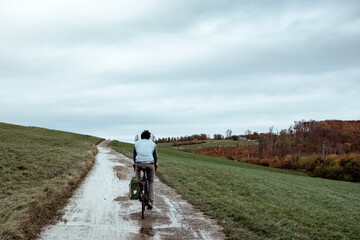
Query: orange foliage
[(340, 167)]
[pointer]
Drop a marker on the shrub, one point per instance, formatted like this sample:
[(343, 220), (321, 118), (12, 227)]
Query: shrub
[(351, 167), (230, 158), (263, 162), (287, 162), (315, 160), (330, 159), (303, 163), (345, 167), (275, 162), (327, 171)]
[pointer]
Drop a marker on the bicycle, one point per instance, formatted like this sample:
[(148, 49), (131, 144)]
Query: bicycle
[(143, 192)]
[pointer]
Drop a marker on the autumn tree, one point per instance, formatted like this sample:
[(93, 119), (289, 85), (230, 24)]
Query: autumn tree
[(218, 137)]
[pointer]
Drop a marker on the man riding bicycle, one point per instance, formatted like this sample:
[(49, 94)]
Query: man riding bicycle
[(145, 155)]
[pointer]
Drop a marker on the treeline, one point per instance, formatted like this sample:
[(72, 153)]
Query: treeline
[(311, 137), (329, 149), (200, 137), (191, 138)]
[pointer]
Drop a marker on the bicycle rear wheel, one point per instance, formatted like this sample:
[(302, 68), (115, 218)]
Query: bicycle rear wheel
[(143, 209)]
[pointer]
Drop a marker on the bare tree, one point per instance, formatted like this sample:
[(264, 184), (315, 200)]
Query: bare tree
[(228, 133)]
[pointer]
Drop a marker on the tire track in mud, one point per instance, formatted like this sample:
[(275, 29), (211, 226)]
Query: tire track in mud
[(101, 209)]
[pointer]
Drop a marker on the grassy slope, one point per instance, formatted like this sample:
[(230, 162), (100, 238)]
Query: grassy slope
[(254, 202), (39, 169)]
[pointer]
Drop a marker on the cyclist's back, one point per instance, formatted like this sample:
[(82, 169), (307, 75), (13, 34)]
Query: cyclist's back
[(144, 151)]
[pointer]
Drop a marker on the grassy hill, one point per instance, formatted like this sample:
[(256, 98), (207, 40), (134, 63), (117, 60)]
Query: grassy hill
[(39, 169), (255, 202)]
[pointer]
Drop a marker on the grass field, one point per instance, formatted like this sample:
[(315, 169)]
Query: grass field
[(39, 169), (254, 202), (209, 143)]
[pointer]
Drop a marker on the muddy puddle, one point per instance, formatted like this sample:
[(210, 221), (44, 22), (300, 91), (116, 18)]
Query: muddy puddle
[(101, 209)]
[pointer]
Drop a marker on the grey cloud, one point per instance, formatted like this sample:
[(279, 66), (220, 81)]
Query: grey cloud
[(181, 67), (284, 54)]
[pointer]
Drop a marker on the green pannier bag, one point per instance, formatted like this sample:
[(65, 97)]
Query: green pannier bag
[(134, 188)]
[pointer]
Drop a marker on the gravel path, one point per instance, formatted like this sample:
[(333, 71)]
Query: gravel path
[(101, 209)]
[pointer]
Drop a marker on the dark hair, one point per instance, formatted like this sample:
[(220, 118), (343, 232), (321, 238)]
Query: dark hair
[(145, 134)]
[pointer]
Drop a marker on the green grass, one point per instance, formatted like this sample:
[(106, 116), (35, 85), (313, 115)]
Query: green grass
[(209, 143), (39, 169), (255, 202), (126, 148)]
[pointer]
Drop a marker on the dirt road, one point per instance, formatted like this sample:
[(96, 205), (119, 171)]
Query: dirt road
[(101, 209)]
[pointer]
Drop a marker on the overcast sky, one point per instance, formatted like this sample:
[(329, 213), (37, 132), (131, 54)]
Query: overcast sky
[(114, 68)]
